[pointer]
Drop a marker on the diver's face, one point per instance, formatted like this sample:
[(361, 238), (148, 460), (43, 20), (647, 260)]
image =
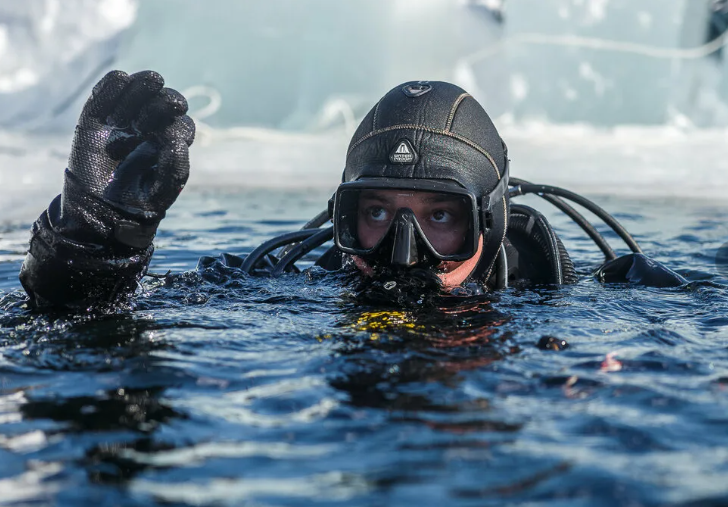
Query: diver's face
[(444, 220)]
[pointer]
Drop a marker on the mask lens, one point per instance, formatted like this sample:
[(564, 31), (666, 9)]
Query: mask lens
[(443, 220)]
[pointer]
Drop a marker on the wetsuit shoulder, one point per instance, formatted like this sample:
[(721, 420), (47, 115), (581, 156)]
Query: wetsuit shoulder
[(331, 260), (638, 269), (225, 259), (530, 245)]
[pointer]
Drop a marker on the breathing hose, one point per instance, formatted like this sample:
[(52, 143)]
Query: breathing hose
[(523, 188)]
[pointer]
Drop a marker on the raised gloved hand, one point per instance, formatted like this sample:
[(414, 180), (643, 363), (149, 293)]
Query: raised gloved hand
[(128, 163)]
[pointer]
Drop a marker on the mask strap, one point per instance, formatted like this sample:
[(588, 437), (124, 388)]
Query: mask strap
[(493, 197)]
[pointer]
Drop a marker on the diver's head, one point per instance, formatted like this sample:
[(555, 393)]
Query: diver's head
[(425, 185)]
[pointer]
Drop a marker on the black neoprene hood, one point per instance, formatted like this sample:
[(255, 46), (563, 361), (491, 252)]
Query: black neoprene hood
[(452, 137), (436, 131)]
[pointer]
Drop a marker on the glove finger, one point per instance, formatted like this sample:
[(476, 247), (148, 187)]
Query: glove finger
[(122, 142), (143, 86), (89, 160), (128, 188), (104, 97), (150, 179), (160, 112), (172, 171), (182, 129), (189, 129)]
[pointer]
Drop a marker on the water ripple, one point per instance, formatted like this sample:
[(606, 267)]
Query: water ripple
[(216, 388)]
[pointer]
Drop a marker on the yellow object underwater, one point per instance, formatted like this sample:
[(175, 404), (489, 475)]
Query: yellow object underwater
[(384, 321)]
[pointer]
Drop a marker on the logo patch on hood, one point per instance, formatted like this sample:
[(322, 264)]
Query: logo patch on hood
[(416, 89), (403, 153)]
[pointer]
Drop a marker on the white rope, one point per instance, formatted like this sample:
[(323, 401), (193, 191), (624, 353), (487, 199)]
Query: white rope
[(206, 133), (213, 96), (601, 45)]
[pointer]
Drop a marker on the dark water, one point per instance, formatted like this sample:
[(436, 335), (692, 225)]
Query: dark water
[(225, 390)]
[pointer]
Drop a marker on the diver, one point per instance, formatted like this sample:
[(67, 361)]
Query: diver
[(424, 202)]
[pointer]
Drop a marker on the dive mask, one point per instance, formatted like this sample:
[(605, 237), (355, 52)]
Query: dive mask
[(409, 221)]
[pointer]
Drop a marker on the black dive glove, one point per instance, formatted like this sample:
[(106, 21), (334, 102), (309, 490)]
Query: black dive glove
[(128, 164)]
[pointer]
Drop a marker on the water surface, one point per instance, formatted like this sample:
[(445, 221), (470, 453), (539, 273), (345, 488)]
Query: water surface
[(219, 389)]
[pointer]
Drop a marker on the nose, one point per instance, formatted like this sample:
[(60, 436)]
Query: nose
[(404, 250)]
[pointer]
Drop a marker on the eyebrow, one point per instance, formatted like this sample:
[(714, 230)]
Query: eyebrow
[(428, 197), (372, 195), (442, 198)]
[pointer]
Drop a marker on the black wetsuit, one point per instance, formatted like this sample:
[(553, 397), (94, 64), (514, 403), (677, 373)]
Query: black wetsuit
[(63, 272)]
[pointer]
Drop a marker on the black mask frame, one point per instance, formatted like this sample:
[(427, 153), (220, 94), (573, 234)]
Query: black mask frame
[(404, 232)]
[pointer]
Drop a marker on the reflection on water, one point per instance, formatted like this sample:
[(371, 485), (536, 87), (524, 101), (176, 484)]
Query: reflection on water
[(219, 389)]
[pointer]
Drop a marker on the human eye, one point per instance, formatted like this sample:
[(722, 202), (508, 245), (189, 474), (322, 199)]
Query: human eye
[(442, 216), (377, 214)]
